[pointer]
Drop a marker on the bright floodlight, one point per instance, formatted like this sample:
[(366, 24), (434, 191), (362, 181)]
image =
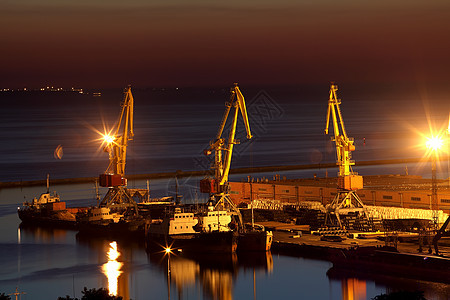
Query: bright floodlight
[(168, 250), (434, 143), (108, 139)]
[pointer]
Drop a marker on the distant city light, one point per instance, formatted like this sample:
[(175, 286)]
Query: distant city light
[(45, 89)]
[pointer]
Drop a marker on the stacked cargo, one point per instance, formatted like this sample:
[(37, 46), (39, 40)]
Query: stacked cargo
[(313, 217), (313, 205), (267, 204), (330, 231), (382, 212)]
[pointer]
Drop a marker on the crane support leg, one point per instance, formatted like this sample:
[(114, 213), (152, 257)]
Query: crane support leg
[(119, 198), (345, 202), (225, 200)]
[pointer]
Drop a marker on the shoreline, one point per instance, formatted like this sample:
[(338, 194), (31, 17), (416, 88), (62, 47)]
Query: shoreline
[(181, 174)]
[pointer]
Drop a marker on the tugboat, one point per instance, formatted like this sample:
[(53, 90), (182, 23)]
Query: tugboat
[(48, 209)]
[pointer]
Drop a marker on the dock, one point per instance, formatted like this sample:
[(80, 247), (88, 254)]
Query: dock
[(287, 236), (366, 253)]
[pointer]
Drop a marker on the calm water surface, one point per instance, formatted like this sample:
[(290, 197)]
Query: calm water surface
[(173, 127), (49, 263)]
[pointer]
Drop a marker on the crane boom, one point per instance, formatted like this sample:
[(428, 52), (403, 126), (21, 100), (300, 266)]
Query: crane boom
[(231, 141), (344, 144), (222, 163), (243, 109), (124, 133)]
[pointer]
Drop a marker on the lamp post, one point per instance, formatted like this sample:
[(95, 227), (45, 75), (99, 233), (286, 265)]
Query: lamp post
[(448, 152), (168, 251), (434, 144)]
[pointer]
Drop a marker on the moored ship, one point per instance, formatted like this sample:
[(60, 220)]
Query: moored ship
[(48, 209), (101, 221), (190, 230)]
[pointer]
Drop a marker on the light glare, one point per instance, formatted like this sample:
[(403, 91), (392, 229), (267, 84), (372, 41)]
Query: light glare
[(434, 143), (108, 139)]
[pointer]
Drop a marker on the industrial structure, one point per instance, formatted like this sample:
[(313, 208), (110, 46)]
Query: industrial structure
[(218, 187), (346, 200), (118, 195)]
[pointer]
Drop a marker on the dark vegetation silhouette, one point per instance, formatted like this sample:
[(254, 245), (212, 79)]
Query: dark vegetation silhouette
[(401, 295), (4, 297), (93, 294)]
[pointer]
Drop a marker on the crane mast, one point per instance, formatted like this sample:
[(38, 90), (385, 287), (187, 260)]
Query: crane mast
[(223, 150), (346, 199)]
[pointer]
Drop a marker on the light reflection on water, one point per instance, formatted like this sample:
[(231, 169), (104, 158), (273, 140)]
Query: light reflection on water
[(111, 269), (210, 276), (354, 289)]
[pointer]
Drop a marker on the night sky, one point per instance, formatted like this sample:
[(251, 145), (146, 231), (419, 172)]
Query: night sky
[(100, 44)]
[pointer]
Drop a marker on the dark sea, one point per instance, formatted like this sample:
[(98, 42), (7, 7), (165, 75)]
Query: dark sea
[(172, 128)]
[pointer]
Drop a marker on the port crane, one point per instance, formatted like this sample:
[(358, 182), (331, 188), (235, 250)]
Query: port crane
[(346, 199), (116, 143), (223, 150)]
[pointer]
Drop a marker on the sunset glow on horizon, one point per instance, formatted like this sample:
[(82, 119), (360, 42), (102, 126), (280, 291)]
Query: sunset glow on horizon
[(93, 44)]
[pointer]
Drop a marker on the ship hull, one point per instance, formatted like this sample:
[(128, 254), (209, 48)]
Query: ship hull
[(202, 242), (60, 219), (255, 241), (122, 229)]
